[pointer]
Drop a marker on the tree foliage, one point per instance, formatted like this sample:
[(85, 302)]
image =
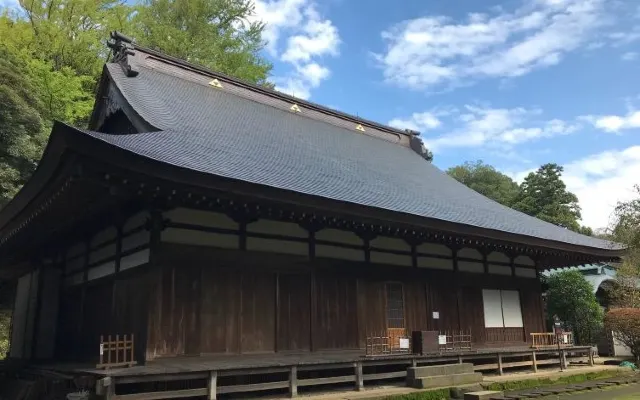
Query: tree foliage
[(625, 325), (52, 53), (21, 126), (218, 34), (625, 229), (544, 195), (571, 298), (5, 324), (486, 180)]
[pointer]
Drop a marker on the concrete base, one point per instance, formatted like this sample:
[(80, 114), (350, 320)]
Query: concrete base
[(439, 370), (446, 380), (483, 395)]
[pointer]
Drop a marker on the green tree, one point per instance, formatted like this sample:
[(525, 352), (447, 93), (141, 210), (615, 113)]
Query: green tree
[(544, 195), (625, 325), (5, 324), (21, 126), (486, 180), (68, 33), (217, 34), (625, 229), (571, 298)]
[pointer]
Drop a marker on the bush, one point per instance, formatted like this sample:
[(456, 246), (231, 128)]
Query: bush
[(625, 325), (572, 299), (5, 324), (439, 394)]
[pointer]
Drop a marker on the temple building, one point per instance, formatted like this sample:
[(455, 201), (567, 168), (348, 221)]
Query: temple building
[(210, 217)]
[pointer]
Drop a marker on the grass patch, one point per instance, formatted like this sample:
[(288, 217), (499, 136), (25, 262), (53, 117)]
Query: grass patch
[(562, 380), (445, 394), (440, 394)]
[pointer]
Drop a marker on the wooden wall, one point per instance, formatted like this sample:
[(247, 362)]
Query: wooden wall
[(216, 301)]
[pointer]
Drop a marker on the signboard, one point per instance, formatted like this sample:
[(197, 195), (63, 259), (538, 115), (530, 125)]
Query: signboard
[(436, 315), (442, 339), (404, 343), (101, 348)]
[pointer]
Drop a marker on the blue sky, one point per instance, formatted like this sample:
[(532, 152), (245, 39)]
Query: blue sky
[(515, 83)]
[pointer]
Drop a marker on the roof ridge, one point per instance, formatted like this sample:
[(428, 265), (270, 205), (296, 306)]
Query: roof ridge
[(131, 45)]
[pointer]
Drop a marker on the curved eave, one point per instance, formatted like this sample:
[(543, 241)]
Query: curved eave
[(65, 138), (106, 83), (48, 168)]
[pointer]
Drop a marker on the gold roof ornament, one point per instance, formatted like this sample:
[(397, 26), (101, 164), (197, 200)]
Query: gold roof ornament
[(360, 128), (295, 108), (216, 84)]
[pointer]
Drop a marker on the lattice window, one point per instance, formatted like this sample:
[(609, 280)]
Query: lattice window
[(395, 306)]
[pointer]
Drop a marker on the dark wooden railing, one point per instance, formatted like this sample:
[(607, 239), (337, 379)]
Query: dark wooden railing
[(117, 352), (505, 335)]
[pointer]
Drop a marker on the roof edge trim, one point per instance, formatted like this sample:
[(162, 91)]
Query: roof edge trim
[(130, 44)]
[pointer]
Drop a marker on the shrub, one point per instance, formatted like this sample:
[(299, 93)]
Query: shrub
[(5, 323), (625, 325), (571, 297)]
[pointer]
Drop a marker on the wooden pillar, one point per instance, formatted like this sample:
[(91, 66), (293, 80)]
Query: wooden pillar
[(242, 235), (212, 385), (117, 272), (459, 359), (106, 388), (456, 284), (155, 226), (367, 249), (500, 364), (277, 314), (85, 278), (313, 307), (359, 376), (534, 362), (293, 381), (414, 362)]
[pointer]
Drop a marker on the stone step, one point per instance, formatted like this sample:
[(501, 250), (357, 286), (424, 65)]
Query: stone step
[(483, 395), (439, 370), (445, 380)]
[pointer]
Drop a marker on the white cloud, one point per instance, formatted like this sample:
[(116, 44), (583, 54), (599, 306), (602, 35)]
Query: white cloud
[(629, 56), (478, 126), (615, 123), (318, 37), (297, 34), (279, 16), (435, 50), (622, 38), (601, 180), (419, 122)]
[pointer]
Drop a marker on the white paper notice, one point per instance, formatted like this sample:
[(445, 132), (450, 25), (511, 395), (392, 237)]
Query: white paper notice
[(442, 339), (404, 343), (436, 315)]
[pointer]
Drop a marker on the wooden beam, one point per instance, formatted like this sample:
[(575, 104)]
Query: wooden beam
[(293, 381), (534, 362), (277, 312), (313, 308), (359, 376), (212, 385), (170, 394)]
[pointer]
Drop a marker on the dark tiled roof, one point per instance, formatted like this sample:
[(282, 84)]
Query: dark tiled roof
[(212, 131)]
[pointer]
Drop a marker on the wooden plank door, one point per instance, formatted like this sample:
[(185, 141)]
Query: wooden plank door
[(396, 327)]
